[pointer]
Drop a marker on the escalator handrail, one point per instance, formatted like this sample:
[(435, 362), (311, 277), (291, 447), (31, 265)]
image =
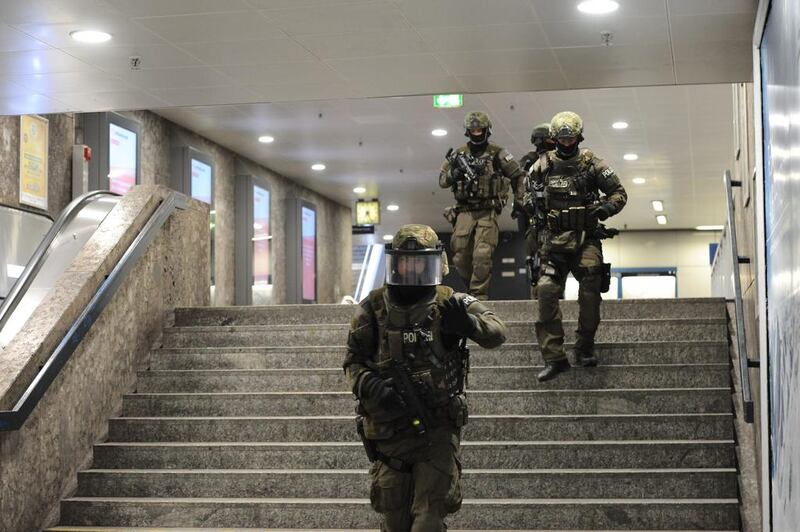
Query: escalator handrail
[(37, 259), (28, 210), (14, 419)]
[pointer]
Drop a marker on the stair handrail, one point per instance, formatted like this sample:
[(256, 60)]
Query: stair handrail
[(37, 259), (14, 419), (744, 361)]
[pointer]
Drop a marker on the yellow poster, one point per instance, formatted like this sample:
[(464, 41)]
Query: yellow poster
[(33, 141)]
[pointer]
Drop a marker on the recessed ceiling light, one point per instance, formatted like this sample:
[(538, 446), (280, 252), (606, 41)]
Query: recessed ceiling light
[(619, 125), (388, 237), (90, 36), (359, 190), (710, 227), (318, 167), (439, 132), (661, 219), (266, 139), (392, 207), (630, 156), (639, 180), (598, 7), (658, 205)]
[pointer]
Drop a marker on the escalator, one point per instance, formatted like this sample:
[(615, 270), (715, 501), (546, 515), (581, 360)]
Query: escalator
[(23, 289)]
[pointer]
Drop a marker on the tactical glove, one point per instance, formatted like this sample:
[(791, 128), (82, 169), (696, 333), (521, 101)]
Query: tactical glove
[(380, 392), (455, 318), (601, 212)]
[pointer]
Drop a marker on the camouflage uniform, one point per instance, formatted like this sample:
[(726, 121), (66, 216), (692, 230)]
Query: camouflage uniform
[(478, 203), (541, 139), (563, 198), (416, 478)]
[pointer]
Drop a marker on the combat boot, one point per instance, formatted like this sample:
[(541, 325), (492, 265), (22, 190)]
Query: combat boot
[(551, 369), (585, 357)]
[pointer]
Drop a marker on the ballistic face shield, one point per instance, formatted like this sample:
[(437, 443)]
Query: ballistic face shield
[(415, 257)]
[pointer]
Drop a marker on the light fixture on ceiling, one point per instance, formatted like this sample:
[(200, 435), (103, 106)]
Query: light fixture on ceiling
[(658, 205), (388, 237), (630, 156), (393, 207), (318, 167), (90, 36), (598, 7), (620, 125), (266, 139), (661, 219), (359, 190), (710, 227), (639, 181), (439, 132)]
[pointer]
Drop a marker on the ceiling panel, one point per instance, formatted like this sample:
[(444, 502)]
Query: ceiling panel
[(295, 73), (253, 52), (204, 95), (12, 40), (154, 8), (40, 62), (454, 13), (700, 7), (364, 44), (116, 58), (212, 27), (342, 18), (549, 11), (507, 36), (521, 81), (712, 28), (176, 78), (498, 61), (69, 82), (624, 31)]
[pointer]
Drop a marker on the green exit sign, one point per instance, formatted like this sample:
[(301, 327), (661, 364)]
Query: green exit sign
[(448, 100)]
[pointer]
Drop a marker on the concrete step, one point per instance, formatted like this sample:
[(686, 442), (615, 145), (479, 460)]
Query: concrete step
[(480, 428), (603, 401), (148, 529), (477, 455), (310, 314), (482, 514), (348, 483), (480, 378), (627, 330), (509, 354)]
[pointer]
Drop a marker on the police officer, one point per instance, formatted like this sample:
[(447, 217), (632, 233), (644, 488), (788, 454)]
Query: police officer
[(480, 174), (542, 142), (406, 363), (564, 201)]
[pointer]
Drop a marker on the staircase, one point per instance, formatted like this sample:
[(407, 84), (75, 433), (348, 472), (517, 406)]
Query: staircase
[(243, 421)]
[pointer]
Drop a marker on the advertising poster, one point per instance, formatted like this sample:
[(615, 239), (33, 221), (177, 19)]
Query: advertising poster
[(121, 159), (201, 181), (309, 254), (33, 146), (262, 239)]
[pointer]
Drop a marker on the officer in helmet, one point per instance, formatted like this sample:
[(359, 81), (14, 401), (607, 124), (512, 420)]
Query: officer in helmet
[(569, 191), (480, 174), (407, 364), (542, 143)]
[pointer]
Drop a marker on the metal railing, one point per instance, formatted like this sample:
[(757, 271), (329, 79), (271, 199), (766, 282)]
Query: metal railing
[(14, 419), (744, 361)]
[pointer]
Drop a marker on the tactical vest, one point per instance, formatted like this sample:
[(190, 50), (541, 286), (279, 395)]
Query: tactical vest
[(566, 183), (486, 187)]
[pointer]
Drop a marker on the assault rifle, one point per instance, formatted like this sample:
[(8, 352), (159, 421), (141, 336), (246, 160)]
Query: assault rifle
[(461, 161), (420, 416)]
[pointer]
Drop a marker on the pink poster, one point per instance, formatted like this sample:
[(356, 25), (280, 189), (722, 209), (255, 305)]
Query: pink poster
[(309, 254)]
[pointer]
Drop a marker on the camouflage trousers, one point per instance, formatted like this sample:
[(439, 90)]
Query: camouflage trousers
[(418, 500), (587, 266), (475, 237)]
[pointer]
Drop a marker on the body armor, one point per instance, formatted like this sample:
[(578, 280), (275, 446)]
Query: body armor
[(484, 190)]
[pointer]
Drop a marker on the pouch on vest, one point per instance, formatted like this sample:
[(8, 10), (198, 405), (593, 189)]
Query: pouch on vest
[(566, 241), (605, 283)]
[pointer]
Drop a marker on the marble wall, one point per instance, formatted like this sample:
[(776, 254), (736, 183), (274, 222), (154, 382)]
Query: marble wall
[(160, 137), (59, 160), (39, 462)]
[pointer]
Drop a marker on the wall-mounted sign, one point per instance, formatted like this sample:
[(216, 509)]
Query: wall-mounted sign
[(446, 101), (309, 253), (368, 212), (33, 147), (363, 229), (201, 176)]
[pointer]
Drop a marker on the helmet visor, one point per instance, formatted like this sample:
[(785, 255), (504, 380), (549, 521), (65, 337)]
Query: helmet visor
[(413, 268)]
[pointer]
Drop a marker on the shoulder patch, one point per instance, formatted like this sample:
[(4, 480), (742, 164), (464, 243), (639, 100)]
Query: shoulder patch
[(468, 300), (607, 172), (508, 156)]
